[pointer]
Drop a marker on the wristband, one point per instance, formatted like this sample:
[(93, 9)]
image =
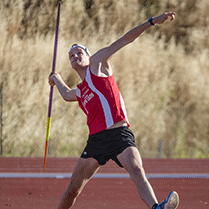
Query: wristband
[(151, 21)]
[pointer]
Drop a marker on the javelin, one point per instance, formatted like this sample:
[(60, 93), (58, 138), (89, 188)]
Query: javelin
[(52, 87)]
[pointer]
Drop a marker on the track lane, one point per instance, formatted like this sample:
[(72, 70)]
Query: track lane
[(102, 193)]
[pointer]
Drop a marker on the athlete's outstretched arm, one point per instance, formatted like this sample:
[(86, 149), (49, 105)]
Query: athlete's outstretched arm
[(104, 54)]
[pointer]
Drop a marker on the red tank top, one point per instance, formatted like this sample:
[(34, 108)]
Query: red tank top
[(101, 101)]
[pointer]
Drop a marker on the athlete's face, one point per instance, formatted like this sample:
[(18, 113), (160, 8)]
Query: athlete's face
[(78, 58)]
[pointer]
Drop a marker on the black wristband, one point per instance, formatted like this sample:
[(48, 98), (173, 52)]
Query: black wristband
[(151, 21)]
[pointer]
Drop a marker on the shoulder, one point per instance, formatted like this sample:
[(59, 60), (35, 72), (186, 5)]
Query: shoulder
[(101, 69), (100, 66)]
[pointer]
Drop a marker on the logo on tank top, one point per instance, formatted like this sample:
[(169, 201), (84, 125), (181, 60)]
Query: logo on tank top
[(86, 97)]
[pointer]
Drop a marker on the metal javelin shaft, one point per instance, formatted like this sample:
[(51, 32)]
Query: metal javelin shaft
[(52, 87)]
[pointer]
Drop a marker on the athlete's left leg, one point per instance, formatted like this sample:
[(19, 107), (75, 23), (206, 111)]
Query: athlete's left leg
[(131, 160), (84, 170)]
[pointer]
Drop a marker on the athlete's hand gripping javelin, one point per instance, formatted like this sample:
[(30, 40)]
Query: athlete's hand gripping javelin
[(51, 81)]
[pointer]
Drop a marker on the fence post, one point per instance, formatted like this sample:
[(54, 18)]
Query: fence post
[(160, 148), (1, 120)]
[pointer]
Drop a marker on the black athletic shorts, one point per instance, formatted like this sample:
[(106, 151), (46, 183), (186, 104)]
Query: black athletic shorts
[(108, 144)]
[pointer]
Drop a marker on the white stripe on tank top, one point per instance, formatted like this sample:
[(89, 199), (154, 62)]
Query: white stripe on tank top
[(103, 100)]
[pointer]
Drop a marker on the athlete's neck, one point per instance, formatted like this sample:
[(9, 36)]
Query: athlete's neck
[(82, 72)]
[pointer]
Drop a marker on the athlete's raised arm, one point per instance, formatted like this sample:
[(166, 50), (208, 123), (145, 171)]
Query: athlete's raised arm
[(103, 55)]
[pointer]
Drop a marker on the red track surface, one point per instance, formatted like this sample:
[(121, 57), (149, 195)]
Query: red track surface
[(36, 193)]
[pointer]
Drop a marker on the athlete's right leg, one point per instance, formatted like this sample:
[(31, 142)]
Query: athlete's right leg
[(131, 160), (84, 170)]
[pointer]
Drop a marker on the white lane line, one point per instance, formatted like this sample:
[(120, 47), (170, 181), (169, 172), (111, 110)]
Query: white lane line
[(104, 175)]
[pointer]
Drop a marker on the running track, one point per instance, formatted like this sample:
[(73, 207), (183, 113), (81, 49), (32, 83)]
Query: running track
[(112, 190)]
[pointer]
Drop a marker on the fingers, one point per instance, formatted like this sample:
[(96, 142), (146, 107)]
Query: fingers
[(163, 17), (51, 81), (171, 14)]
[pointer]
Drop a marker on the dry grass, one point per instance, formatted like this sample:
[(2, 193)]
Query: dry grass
[(163, 75)]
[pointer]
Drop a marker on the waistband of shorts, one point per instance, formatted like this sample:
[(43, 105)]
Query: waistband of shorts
[(111, 130)]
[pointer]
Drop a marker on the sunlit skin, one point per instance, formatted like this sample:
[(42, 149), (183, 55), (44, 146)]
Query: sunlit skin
[(79, 58)]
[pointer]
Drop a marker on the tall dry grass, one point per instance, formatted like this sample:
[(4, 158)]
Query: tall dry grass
[(163, 75)]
